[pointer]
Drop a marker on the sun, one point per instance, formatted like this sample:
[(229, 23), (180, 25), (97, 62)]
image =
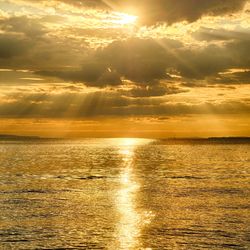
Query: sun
[(125, 19)]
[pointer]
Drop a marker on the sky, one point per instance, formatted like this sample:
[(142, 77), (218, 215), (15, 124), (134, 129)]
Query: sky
[(116, 68)]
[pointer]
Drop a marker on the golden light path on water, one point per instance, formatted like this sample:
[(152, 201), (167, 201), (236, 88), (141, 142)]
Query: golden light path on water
[(132, 220)]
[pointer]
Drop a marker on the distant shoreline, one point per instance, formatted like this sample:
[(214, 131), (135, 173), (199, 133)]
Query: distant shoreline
[(209, 140), (21, 137), (175, 140)]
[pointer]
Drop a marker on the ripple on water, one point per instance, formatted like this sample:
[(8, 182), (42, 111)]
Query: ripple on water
[(124, 194)]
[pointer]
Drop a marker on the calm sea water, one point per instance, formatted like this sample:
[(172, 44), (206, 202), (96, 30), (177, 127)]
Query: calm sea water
[(124, 194)]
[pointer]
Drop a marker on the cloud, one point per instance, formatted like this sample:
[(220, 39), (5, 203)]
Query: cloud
[(208, 34), (242, 77), (105, 103), (157, 89), (213, 59), (139, 60), (133, 75), (152, 12), (94, 74), (170, 11), (13, 45), (27, 44), (31, 27), (142, 61), (86, 3), (146, 61)]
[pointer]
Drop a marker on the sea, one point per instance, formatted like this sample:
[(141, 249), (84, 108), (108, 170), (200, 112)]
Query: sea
[(124, 193)]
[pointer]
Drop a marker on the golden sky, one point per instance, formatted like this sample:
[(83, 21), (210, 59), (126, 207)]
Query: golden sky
[(90, 68)]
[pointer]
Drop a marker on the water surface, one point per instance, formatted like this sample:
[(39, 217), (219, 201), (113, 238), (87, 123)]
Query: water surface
[(124, 194)]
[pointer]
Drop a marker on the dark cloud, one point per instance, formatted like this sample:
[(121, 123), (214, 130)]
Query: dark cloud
[(134, 76), (92, 74), (30, 27), (22, 53), (210, 60), (18, 78), (170, 11), (200, 63), (233, 78), (78, 3), (103, 103), (136, 60), (25, 44), (53, 19), (13, 45), (238, 51), (232, 54), (158, 89), (142, 61), (86, 3), (146, 61), (208, 34)]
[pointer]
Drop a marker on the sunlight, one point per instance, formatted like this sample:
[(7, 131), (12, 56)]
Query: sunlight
[(126, 153), (129, 141), (126, 19), (129, 224), (132, 220)]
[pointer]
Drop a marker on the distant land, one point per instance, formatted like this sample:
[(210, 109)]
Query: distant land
[(5, 137), (209, 140), (212, 140)]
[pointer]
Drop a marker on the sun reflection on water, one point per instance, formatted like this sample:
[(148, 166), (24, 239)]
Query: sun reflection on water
[(131, 219)]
